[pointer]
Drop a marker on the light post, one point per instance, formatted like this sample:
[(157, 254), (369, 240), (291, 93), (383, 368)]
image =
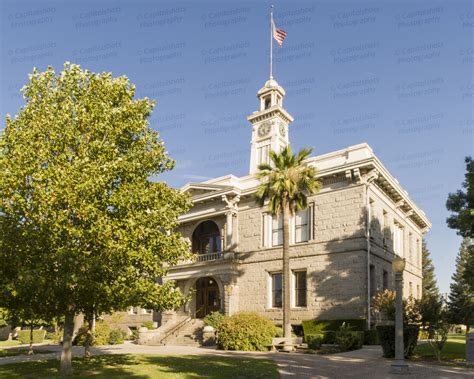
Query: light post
[(399, 366)]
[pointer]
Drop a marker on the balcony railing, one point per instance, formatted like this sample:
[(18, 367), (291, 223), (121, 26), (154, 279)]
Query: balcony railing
[(209, 257)]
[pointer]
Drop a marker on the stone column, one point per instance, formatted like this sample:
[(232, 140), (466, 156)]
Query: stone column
[(231, 238), (229, 229), (230, 295)]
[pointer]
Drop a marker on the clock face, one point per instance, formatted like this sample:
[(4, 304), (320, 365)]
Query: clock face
[(264, 129), (282, 130)]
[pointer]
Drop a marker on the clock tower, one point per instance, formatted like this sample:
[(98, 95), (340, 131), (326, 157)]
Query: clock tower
[(269, 124)]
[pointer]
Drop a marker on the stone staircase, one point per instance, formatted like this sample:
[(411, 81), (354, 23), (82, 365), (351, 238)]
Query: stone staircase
[(188, 334)]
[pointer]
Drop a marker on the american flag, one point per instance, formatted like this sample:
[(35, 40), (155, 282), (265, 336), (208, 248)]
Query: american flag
[(278, 34)]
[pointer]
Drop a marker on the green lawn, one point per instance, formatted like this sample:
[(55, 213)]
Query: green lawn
[(9, 343), (454, 350), (148, 366), (22, 351)]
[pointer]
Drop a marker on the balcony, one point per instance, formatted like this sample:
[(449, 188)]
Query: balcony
[(209, 257), (201, 259)]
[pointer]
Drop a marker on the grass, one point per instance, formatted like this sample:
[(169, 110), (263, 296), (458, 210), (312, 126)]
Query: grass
[(148, 366), (21, 351), (17, 343), (454, 350)]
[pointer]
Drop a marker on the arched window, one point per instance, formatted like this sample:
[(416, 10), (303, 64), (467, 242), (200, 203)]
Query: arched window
[(206, 238)]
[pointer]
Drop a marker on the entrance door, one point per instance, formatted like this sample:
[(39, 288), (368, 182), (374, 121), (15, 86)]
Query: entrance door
[(207, 297)]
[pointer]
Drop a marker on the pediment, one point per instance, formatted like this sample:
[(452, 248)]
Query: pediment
[(199, 189)]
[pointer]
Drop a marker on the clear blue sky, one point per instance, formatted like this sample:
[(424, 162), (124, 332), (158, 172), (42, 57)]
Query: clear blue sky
[(398, 75)]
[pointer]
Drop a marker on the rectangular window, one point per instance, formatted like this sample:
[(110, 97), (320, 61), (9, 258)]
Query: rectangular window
[(277, 231), (373, 290), (300, 288), (385, 228), (302, 226), (418, 291), (373, 217), (262, 154), (385, 280), (410, 289), (277, 290), (398, 239), (410, 247), (418, 253)]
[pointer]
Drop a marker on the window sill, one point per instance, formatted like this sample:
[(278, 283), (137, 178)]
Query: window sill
[(291, 245)]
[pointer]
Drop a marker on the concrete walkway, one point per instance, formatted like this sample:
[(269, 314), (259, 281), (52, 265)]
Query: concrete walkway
[(363, 363)]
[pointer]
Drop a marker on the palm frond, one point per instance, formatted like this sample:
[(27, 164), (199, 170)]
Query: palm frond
[(286, 177)]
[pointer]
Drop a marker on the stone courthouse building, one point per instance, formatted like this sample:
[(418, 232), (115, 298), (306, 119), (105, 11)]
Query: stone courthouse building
[(341, 246)]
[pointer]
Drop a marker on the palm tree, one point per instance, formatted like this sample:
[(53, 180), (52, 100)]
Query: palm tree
[(285, 183)]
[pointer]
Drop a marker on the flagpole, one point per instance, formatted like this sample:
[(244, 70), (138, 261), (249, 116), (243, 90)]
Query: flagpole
[(271, 42)]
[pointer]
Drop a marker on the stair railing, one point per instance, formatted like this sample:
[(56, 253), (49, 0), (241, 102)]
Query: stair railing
[(175, 328)]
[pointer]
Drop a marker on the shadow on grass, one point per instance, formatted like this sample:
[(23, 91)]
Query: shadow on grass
[(148, 366), (21, 351), (213, 367)]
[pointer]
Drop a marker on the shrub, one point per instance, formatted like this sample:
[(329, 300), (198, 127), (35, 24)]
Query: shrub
[(387, 339), (279, 332), (24, 336), (329, 337), (245, 331), (320, 326), (371, 337), (116, 337), (55, 336), (384, 302), (214, 319), (347, 339), (148, 324), (438, 339), (100, 336), (314, 341)]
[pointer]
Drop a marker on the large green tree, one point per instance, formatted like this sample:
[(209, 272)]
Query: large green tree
[(430, 304), (461, 298), (461, 205), (285, 184), (78, 209), (429, 285)]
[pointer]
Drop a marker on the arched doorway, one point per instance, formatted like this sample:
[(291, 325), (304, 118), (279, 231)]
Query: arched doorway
[(207, 238), (207, 296)]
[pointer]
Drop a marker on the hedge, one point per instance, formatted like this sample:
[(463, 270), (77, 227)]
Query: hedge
[(100, 337), (214, 319), (349, 340), (329, 337), (314, 341), (245, 331), (24, 336), (116, 337), (320, 326), (387, 339), (371, 337)]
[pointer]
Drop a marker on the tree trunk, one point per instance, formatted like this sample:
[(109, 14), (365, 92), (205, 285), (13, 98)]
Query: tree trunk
[(89, 335), (30, 350), (286, 276), (66, 355)]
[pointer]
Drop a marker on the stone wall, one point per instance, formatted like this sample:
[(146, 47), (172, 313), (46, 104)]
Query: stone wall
[(335, 260)]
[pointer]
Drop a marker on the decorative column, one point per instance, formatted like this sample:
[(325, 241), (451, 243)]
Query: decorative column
[(230, 295), (399, 366), (232, 208)]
